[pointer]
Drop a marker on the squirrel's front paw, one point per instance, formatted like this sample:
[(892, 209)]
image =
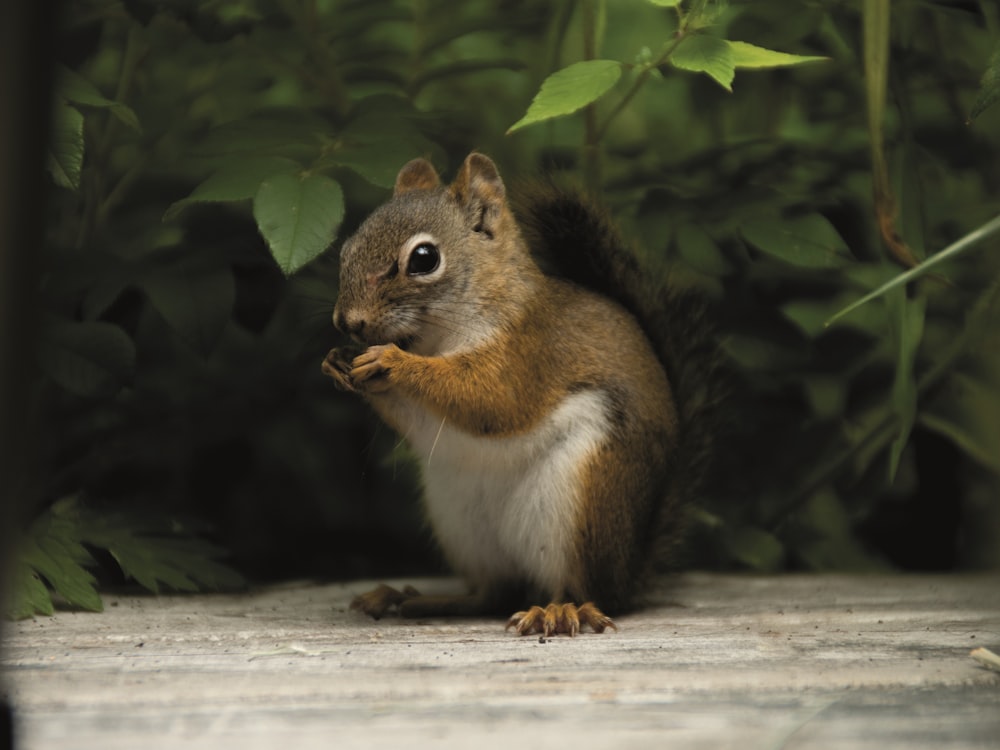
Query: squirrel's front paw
[(337, 365), (370, 370)]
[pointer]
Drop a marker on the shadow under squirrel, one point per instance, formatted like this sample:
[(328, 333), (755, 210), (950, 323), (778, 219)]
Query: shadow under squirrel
[(558, 415)]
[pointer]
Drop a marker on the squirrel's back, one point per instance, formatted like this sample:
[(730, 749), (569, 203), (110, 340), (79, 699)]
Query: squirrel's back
[(574, 238)]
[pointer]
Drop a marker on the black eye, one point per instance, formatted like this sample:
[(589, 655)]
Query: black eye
[(424, 259)]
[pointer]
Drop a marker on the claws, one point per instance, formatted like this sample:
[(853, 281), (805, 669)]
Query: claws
[(560, 619), (366, 372)]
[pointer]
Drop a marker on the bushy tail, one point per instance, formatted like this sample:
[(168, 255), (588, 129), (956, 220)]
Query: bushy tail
[(574, 238)]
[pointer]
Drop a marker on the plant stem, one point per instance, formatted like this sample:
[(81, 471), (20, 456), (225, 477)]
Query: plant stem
[(639, 81), (591, 138)]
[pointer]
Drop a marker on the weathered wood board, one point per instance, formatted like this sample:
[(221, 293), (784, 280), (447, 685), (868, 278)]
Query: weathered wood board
[(713, 662)]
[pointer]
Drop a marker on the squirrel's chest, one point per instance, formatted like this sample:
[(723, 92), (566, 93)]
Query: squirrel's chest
[(508, 507)]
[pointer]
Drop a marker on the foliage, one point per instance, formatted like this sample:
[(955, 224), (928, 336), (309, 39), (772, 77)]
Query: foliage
[(152, 551), (205, 156)]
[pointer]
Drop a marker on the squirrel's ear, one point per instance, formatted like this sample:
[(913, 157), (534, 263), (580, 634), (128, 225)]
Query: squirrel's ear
[(479, 189), (416, 175)]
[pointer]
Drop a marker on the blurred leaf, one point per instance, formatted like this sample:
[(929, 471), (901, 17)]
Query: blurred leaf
[(702, 53), (989, 87), (91, 358), (967, 410), (156, 553), (292, 132), (827, 540), (699, 251), (73, 87), (756, 548), (666, 3), (570, 89), (906, 324), (65, 160), (298, 217), (827, 395), (811, 316), (751, 56), (808, 241), (382, 138), (758, 352), (237, 179), (197, 304)]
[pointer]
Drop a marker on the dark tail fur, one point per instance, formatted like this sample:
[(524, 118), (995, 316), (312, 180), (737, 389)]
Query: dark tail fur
[(574, 238)]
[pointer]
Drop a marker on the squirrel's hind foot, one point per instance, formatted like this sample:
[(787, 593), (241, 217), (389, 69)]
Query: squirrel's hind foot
[(381, 599), (560, 619)]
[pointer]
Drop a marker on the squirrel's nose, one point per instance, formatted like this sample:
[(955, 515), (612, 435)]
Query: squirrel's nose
[(350, 323)]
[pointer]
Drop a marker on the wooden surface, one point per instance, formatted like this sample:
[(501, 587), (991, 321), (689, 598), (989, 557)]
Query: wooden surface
[(713, 662)]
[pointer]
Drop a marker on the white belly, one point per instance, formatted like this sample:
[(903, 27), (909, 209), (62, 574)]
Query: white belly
[(507, 508)]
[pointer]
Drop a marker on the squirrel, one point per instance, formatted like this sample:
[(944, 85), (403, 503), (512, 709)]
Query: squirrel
[(556, 413)]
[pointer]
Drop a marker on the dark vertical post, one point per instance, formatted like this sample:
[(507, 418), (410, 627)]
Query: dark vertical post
[(26, 33)]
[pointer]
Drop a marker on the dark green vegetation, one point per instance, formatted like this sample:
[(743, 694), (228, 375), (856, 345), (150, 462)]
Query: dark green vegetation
[(785, 157)]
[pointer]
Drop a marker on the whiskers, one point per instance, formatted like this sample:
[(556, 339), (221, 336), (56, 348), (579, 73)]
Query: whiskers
[(452, 321)]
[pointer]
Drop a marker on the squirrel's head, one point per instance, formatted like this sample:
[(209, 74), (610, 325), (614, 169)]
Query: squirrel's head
[(428, 269)]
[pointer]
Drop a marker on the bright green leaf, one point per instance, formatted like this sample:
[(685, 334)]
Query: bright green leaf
[(570, 89), (808, 241), (989, 87), (298, 217), (237, 179), (90, 358), (702, 53), (65, 160), (666, 3), (751, 56)]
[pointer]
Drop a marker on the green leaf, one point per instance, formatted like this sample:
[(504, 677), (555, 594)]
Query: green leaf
[(700, 251), (159, 552), (197, 304), (808, 241), (989, 87), (65, 160), (238, 179), (906, 324), (666, 3), (702, 53), (51, 548), (91, 358), (570, 89), (298, 217), (755, 548), (953, 250), (967, 410), (73, 87), (28, 595), (747, 55)]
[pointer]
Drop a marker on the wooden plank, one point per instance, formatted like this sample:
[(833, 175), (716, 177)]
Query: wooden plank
[(713, 661)]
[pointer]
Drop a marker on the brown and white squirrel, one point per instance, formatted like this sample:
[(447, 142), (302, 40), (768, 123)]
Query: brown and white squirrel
[(556, 414)]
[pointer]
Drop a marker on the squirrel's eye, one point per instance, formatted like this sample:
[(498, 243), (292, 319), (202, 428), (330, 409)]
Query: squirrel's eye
[(424, 259)]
